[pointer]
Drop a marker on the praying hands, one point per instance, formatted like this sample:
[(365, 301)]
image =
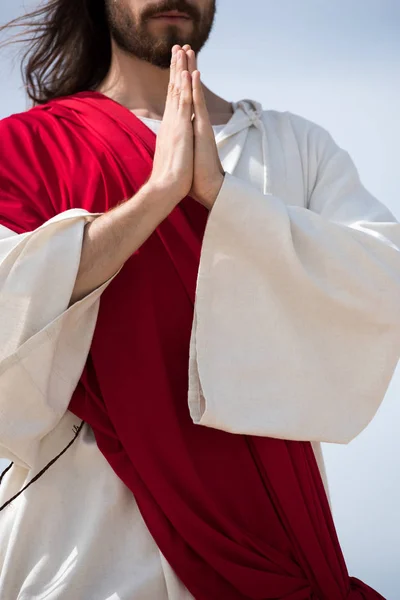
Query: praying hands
[(186, 160)]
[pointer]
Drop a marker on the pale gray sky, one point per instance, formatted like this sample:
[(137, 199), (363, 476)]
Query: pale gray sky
[(336, 62)]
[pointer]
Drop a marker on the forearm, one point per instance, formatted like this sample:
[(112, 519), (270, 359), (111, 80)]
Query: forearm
[(113, 237)]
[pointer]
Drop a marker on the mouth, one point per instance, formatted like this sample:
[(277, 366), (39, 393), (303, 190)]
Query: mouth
[(173, 16)]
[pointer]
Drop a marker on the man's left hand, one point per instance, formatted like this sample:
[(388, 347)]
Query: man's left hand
[(208, 174)]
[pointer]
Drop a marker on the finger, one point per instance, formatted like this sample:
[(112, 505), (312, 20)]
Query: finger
[(185, 98), (174, 55), (181, 66), (172, 75), (174, 87), (192, 66), (199, 102), (184, 63), (192, 61), (172, 69), (186, 47)]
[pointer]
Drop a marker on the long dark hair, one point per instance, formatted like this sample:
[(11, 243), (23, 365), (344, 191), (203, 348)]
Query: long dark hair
[(68, 47)]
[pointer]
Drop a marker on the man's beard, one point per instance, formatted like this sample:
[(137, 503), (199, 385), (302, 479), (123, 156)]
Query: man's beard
[(136, 39)]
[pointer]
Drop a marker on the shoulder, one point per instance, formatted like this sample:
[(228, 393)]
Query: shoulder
[(27, 135), (36, 137), (309, 149), (26, 141), (312, 146), (290, 130), (30, 118), (28, 170), (310, 137)]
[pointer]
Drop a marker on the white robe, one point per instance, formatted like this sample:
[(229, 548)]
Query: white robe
[(296, 335)]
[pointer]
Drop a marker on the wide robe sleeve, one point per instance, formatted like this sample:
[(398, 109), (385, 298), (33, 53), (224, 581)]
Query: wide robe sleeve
[(44, 341), (296, 332)]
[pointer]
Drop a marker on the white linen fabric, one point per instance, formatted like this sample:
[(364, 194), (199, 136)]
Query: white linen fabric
[(296, 335)]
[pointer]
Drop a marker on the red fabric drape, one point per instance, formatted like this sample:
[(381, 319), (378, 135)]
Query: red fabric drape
[(236, 516)]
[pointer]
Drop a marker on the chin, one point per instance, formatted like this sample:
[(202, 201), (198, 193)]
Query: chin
[(171, 31)]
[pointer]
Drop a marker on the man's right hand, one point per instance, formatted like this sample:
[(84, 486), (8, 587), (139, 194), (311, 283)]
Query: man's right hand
[(173, 159)]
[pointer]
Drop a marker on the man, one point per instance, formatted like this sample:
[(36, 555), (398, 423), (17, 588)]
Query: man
[(237, 242)]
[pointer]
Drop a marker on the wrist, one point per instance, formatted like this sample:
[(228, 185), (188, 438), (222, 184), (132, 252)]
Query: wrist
[(210, 196), (162, 194)]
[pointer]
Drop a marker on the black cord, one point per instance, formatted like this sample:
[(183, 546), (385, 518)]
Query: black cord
[(51, 463), (5, 471)]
